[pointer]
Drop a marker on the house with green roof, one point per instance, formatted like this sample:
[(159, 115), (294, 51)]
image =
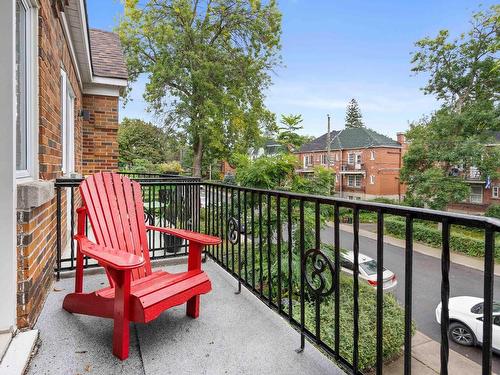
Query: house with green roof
[(366, 163)]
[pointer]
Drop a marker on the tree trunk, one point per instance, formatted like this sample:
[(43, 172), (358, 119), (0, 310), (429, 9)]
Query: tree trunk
[(198, 153)]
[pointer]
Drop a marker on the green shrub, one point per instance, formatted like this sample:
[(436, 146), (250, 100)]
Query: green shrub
[(493, 211), (393, 335), (432, 236)]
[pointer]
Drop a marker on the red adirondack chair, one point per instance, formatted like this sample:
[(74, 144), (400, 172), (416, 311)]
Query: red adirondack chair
[(136, 293)]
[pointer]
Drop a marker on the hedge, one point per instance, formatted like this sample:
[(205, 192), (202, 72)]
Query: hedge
[(393, 329), (432, 236)]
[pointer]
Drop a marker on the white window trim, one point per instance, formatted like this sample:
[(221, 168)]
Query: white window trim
[(495, 192), (349, 155), (358, 159), (372, 155), (372, 179), (31, 171), (67, 166)]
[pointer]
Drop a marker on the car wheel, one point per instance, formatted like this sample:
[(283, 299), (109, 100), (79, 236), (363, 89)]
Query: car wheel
[(461, 334)]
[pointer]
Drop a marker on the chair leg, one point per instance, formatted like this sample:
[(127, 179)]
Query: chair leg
[(121, 328), (193, 307)]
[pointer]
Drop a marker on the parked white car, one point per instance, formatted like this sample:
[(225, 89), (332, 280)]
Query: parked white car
[(466, 321), (367, 270)]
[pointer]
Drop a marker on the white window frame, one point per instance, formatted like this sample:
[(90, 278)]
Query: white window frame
[(31, 98), (351, 158), (324, 159), (495, 191), (372, 179), (372, 155), (358, 159), (356, 180), (480, 200), (67, 126)]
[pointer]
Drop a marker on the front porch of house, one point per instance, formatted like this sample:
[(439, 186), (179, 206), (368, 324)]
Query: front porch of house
[(235, 334)]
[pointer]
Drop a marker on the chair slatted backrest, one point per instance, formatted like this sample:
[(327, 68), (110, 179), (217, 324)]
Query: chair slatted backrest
[(116, 213)]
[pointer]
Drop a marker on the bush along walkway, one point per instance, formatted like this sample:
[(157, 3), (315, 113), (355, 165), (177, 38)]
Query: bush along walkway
[(430, 234), (475, 262)]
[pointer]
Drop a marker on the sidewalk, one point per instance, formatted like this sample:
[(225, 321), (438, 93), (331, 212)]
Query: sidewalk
[(464, 260), (426, 360)]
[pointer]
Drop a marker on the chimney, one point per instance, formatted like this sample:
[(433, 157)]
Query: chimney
[(401, 138)]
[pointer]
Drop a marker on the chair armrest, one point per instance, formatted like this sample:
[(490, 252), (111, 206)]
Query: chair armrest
[(116, 259), (203, 239)]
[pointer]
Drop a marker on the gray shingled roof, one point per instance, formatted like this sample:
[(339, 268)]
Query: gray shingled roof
[(350, 138), (318, 143), (107, 54)]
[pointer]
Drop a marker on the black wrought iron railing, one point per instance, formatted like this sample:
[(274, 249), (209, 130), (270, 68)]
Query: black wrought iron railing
[(286, 249)]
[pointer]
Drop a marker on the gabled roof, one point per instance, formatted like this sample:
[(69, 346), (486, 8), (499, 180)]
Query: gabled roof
[(350, 138), (107, 54)]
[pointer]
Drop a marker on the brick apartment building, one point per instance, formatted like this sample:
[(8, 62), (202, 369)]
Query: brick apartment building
[(59, 94), (366, 164)]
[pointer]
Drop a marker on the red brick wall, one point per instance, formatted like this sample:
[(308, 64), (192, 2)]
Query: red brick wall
[(100, 144), (385, 167), (36, 227)]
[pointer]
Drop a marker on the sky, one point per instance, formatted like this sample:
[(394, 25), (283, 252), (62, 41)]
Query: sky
[(335, 50)]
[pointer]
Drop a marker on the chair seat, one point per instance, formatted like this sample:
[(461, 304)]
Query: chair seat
[(161, 290)]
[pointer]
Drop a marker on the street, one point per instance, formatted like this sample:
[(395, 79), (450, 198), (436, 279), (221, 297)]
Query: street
[(464, 281)]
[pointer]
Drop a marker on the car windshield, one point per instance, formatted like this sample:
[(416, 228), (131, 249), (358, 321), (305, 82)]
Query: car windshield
[(370, 267), (478, 309)]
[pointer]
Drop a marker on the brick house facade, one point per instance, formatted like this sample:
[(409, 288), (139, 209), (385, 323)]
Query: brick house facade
[(67, 79), (366, 164)]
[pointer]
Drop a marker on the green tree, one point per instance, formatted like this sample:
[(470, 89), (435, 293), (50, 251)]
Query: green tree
[(464, 76), (287, 132), (208, 64), (138, 139), (353, 117)]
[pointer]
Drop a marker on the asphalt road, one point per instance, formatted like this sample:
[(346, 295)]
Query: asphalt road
[(426, 286)]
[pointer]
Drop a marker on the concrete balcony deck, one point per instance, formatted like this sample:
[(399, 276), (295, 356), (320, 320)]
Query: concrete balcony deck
[(235, 334)]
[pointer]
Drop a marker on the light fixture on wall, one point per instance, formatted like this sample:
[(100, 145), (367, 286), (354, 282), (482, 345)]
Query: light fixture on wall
[(85, 113)]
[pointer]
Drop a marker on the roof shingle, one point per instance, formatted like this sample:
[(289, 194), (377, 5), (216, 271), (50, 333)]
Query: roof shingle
[(350, 138), (107, 54)]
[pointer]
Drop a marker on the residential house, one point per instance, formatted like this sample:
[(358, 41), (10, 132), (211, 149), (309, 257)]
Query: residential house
[(484, 191), (59, 102), (366, 164)]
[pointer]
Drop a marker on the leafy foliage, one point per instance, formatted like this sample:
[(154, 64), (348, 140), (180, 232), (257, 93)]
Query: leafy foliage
[(464, 75), (138, 139), (493, 211), (432, 236), (353, 117), (207, 64), (287, 132)]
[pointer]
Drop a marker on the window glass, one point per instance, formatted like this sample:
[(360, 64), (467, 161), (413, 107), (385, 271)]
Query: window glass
[(370, 267), (476, 194), (495, 193), (350, 158), (21, 88)]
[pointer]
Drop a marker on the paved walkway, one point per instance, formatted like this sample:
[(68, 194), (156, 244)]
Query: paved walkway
[(235, 334)]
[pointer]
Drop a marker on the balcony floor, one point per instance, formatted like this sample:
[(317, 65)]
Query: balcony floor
[(235, 334)]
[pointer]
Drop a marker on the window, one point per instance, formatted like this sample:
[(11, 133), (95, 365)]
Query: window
[(336, 156), (372, 155), (324, 159), (350, 158), (372, 179), (67, 125), (495, 192), (476, 194), (354, 181), (25, 60), (358, 158)]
